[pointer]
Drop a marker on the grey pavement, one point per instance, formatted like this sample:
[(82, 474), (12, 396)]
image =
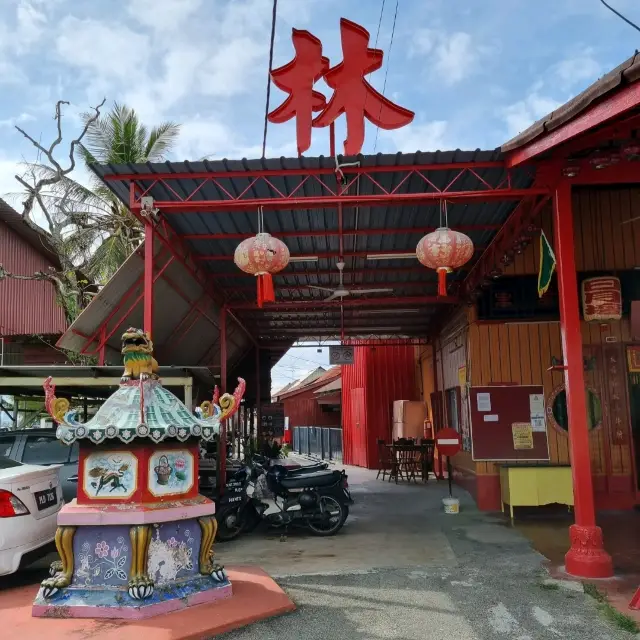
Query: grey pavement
[(403, 569)]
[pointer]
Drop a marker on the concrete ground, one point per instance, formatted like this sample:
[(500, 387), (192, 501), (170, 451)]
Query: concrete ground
[(403, 569)]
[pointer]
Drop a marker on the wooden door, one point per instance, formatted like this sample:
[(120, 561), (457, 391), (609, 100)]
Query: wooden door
[(359, 427)]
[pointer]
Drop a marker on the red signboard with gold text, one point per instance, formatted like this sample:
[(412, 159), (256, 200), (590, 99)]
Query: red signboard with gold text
[(601, 298)]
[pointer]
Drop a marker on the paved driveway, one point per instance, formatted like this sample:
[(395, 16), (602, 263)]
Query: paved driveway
[(403, 569)]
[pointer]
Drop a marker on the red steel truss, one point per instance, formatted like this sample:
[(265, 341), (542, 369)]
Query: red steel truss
[(235, 190)]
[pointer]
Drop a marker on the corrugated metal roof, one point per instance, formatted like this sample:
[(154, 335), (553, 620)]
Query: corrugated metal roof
[(37, 238), (406, 277), (626, 73), (336, 385), (174, 295), (27, 307)]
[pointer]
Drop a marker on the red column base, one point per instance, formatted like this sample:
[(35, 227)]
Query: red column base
[(587, 557)]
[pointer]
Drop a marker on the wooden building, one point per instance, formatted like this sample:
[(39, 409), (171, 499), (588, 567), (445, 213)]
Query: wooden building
[(31, 320), (512, 337)]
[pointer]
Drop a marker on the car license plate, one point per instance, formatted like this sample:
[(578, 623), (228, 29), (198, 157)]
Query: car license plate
[(46, 499)]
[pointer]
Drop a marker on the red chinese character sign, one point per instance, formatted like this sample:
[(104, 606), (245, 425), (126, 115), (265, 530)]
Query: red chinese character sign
[(601, 298), (352, 95), (297, 79)]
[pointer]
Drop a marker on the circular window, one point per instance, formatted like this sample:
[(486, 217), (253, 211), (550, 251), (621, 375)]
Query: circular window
[(558, 409)]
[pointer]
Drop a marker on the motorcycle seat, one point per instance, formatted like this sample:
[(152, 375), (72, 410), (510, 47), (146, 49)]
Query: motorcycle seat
[(310, 480)]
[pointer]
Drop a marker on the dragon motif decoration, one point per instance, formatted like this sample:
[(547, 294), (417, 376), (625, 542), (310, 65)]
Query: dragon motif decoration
[(229, 403), (142, 407)]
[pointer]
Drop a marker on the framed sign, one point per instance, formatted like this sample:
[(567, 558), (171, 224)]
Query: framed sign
[(341, 355), (601, 298)]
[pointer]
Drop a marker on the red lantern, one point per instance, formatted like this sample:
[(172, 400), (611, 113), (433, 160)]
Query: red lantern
[(262, 256), (444, 250)]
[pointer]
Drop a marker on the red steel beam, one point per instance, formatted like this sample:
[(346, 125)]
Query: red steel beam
[(463, 228), (318, 202), (327, 272), (327, 254), (383, 302), (148, 278), (604, 111), (318, 171)]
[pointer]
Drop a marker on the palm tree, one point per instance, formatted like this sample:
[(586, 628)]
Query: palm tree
[(119, 137), (89, 228)]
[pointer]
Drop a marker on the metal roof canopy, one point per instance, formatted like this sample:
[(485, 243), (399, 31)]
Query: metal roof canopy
[(382, 204), (94, 382)]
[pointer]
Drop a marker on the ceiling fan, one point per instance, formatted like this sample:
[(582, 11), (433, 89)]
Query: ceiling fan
[(342, 292)]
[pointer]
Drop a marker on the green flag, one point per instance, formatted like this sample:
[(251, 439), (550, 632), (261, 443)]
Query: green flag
[(547, 265)]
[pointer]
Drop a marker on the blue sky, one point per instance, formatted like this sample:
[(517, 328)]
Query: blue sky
[(476, 72)]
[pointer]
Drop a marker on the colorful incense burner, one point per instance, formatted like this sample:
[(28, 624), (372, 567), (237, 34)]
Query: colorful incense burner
[(138, 540)]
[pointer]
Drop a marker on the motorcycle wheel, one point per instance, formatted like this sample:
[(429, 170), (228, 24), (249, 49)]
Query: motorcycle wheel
[(331, 525), (230, 525)]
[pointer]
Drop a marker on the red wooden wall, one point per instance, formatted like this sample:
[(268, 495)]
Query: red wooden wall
[(303, 410), (378, 376)]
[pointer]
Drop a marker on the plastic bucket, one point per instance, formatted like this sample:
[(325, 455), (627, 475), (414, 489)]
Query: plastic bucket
[(451, 505)]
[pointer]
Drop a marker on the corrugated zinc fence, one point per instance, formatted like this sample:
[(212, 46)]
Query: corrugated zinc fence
[(321, 442)]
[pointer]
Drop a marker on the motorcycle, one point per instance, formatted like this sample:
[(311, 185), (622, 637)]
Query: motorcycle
[(316, 499)]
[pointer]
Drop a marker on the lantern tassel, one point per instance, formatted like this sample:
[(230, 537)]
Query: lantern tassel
[(266, 292), (442, 281)]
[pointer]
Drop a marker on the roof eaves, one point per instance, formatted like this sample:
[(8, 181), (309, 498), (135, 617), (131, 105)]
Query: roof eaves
[(626, 73)]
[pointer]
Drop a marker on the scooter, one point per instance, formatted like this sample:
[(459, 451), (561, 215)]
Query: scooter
[(316, 500)]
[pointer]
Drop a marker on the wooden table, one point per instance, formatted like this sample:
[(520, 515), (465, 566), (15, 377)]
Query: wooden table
[(411, 464)]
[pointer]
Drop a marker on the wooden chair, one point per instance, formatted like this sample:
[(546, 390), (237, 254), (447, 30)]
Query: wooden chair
[(386, 460), (408, 462)]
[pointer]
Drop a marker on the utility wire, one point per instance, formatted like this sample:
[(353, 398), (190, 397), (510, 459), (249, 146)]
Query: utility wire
[(384, 86), (631, 24), (266, 109)]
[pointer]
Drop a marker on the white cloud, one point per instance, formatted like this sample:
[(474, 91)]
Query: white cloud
[(426, 136), (163, 15), (453, 56), (578, 69), (207, 137), (104, 50), (522, 114), (17, 120)]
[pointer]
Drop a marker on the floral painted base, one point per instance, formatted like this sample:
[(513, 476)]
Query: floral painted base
[(125, 571), (83, 602)]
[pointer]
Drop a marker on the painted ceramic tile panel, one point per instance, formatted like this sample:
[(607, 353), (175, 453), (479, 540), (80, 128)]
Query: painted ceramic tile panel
[(173, 551), (101, 556), (170, 472), (110, 475)]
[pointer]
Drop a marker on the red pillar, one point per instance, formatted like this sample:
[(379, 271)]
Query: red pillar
[(221, 475), (148, 277), (587, 557), (258, 417), (103, 346)]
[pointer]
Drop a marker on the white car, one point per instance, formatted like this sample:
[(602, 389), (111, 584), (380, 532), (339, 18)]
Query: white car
[(30, 498)]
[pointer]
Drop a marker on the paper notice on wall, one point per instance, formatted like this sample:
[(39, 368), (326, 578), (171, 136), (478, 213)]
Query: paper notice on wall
[(522, 435), (536, 403), (538, 424), (484, 402), (491, 418), (536, 412)]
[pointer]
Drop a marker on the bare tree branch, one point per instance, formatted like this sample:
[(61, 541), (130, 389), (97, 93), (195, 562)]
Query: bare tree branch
[(35, 189)]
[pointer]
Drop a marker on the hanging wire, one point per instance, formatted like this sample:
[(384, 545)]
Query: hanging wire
[(271, 45), (386, 73), (632, 24)]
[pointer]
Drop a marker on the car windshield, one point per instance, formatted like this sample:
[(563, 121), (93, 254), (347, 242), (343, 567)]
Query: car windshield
[(7, 463)]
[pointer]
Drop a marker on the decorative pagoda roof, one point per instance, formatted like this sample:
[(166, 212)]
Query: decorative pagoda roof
[(142, 407)]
